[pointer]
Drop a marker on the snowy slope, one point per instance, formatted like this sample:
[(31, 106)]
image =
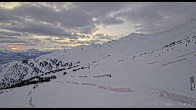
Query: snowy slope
[(138, 70)]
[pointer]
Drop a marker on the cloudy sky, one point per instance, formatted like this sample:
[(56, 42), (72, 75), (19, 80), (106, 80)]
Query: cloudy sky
[(68, 24)]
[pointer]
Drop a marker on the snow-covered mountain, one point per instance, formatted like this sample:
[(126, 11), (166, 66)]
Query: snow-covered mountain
[(9, 56), (138, 70), (32, 52)]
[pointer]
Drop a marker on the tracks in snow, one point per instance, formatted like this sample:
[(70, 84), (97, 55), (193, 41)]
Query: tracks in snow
[(115, 89), (29, 94), (177, 97)]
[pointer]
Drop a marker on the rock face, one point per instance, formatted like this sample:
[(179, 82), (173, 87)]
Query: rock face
[(14, 75)]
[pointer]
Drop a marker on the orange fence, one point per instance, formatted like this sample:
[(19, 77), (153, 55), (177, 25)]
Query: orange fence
[(116, 89)]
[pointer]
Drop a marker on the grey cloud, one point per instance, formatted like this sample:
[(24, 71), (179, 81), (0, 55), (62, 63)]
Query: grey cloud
[(4, 38), (78, 18), (10, 33), (17, 40), (35, 12), (13, 41), (38, 28), (146, 16), (74, 17), (8, 16), (56, 5), (28, 44), (33, 40), (88, 29), (153, 17), (68, 18), (109, 21), (100, 8)]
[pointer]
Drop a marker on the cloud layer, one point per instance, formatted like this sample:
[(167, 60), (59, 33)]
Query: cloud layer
[(58, 22)]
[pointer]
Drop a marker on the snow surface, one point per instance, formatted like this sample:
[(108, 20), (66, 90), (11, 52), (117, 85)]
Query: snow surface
[(136, 77)]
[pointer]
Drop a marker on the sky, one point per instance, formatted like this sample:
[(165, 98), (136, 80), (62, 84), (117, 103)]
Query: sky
[(62, 25)]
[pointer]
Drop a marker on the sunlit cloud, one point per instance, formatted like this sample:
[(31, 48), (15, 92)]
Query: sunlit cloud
[(10, 5), (74, 45), (85, 39), (14, 47), (41, 37)]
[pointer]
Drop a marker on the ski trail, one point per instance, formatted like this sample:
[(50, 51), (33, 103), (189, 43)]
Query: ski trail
[(186, 54), (30, 102), (154, 62), (115, 89), (59, 81), (173, 62), (29, 93)]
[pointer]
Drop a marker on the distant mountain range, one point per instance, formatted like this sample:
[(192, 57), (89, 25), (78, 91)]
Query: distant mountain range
[(9, 56)]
